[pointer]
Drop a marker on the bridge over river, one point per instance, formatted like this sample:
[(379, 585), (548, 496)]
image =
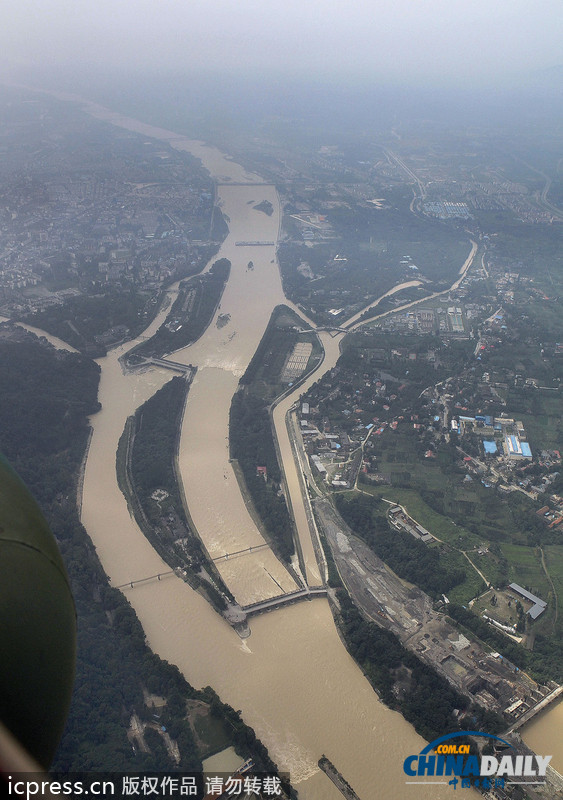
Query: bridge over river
[(284, 600), (251, 610)]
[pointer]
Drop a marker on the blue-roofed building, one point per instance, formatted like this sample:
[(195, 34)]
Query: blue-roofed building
[(517, 449), (489, 447)]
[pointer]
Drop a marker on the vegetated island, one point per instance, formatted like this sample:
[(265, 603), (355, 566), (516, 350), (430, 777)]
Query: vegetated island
[(252, 445), (191, 313), (265, 206), (339, 781), (147, 476)]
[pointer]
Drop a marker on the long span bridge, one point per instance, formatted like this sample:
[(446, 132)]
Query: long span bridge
[(254, 244), (158, 577), (252, 549)]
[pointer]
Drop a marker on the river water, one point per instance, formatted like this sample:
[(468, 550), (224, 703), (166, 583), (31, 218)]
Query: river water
[(293, 679), (222, 355), (54, 340), (544, 734)]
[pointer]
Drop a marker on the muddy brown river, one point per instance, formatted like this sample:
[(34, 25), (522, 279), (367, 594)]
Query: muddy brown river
[(293, 680)]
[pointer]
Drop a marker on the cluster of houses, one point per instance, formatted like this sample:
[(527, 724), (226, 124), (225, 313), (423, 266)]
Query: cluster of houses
[(501, 436), (131, 215)]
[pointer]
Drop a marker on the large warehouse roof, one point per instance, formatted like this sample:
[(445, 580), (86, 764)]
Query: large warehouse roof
[(539, 605)]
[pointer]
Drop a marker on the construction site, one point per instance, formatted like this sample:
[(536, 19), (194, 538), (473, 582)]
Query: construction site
[(488, 678)]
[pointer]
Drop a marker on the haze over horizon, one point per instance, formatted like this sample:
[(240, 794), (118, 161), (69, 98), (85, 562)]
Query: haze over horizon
[(437, 43)]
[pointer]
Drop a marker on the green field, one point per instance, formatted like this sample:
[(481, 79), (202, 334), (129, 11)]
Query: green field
[(525, 568), (461, 539), (489, 565), (554, 562), (211, 732), (473, 583), (440, 483), (544, 426), (398, 456), (438, 525)]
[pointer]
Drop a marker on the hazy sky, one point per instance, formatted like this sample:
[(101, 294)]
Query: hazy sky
[(412, 40)]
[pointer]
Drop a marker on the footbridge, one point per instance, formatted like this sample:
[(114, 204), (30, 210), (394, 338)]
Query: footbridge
[(330, 328), (284, 600), (174, 365), (158, 577), (253, 549)]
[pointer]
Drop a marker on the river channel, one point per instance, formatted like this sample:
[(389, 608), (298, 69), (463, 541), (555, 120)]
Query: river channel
[(293, 680)]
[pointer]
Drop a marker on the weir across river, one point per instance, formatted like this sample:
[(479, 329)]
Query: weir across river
[(284, 600), (166, 363)]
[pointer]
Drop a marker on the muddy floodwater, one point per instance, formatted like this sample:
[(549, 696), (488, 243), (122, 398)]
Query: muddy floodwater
[(293, 680), (545, 734)]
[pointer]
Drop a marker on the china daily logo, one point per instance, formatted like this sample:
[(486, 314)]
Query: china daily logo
[(444, 758)]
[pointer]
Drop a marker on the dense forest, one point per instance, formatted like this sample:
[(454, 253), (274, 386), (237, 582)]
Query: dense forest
[(268, 360), (252, 445), (155, 439), (45, 397), (250, 426)]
